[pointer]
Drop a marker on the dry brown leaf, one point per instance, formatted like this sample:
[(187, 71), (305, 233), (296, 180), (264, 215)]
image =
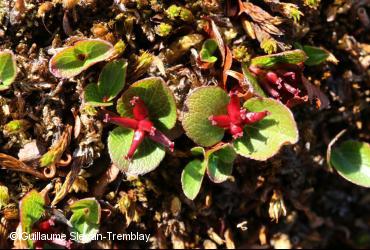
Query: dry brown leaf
[(11, 163)]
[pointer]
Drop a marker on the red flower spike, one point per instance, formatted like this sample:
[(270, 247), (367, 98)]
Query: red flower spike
[(147, 126), (141, 124), (46, 225), (236, 117), (236, 131), (140, 111), (273, 78), (233, 108), (283, 82), (253, 117), (121, 121), (139, 136), (222, 121), (161, 138)]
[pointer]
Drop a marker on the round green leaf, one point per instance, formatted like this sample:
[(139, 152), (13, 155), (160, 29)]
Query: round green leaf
[(263, 139), (220, 163), (8, 69), (268, 61), (352, 161), (208, 49), (199, 106), (146, 158), (85, 219), (192, 177), (71, 61), (111, 82), (157, 97)]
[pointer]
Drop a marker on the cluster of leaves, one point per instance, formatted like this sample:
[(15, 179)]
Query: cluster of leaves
[(35, 217), (147, 111)]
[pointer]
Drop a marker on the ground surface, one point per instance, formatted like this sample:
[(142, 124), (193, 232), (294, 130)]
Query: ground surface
[(322, 209)]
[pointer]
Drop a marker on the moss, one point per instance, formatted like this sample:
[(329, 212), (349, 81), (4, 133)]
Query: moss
[(173, 11), (163, 29), (240, 53), (186, 15), (269, 45)]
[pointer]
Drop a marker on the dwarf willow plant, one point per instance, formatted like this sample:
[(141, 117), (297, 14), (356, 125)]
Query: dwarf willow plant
[(147, 110), (258, 128), (258, 124), (34, 217), (8, 69)]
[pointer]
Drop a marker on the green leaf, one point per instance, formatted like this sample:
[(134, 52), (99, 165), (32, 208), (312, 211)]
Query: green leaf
[(208, 49), (199, 106), (85, 219), (192, 177), (220, 163), (252, 82), (157, 97), (198, 151), (352, 161), (111, 82), (31, 210), (4, 196), (315, 55), (263, 139), (268, 61), (71, 61), (8, 69), (146, 158)]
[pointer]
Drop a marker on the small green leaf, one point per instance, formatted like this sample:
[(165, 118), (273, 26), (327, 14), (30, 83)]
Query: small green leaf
[(315, 55), (94, 98), (157, 97), (208, 49), (85, 219), (252, 82), (352, 161), (220, 163), (198, 151), (192, 177), (8, 69), (111, 82), (199, 106), (268, 61), (263, 139), (31, 210), (147, 157), (4, 196), (71, 61)]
